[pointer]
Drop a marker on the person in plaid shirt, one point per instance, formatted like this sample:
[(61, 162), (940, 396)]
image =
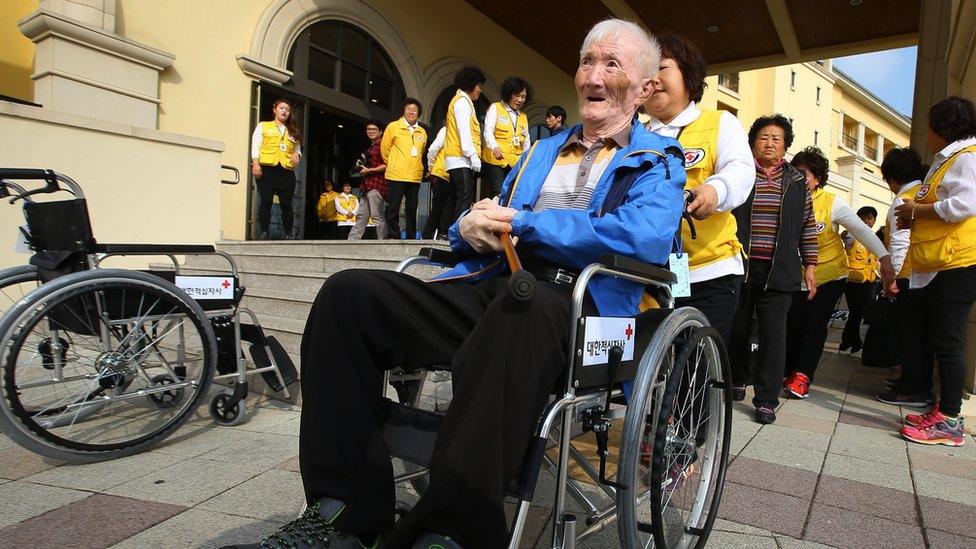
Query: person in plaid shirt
[(372, 190)]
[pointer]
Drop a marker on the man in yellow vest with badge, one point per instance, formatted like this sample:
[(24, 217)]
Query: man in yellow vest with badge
[(506, 135), (403, 145), (863, 267), (721, 174), (942, 218), (462, 140)]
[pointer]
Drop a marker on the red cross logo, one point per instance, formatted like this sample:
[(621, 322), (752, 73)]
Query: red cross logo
[(226, 284), (629, 332)]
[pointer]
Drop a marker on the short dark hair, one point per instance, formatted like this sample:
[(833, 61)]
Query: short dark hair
[(902, 165), (558, 112), (512, 85), (771, 120), (865, 211), (813, 159), (690, 63), (374, 122), (412, 101), (953, 118), (467, 78)]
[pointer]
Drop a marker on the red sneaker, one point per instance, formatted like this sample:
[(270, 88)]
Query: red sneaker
[(923, 420), (788, 380), (939, 431), (799, 385)]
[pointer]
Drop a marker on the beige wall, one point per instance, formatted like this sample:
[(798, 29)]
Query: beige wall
[(126, 173), (16, 51)]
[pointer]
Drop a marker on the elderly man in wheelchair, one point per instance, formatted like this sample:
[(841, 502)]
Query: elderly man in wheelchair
[(590, 210)]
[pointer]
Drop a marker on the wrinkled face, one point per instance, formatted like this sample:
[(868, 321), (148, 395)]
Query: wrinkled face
[(518, 99), (552, 121), (670, 95), (609, 84), (812, 182), (411, 113), (770, 146), (475, 93), (282, 111)]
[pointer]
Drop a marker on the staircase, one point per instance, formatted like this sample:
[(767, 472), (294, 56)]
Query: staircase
[(282, 278)]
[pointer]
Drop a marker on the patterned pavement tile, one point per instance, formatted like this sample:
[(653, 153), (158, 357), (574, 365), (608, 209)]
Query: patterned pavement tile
[(274, 495), (966, 451), (188, 482), (848, 529), (768, 510), (871, 444), (883, 422), (270, 420), (791, 543), (772, 451), (99, 477), (792, 438), (805, 423), (197, 528), (938, 486), (275, 449), (71, 525), (888, 475), (17, 463), (772, 477), (828, 412), (729, 526), (945, 540), (947, 516), (946, 465), (23, 500), (732, 540), (743, 432), (866, 498), (291, 465)]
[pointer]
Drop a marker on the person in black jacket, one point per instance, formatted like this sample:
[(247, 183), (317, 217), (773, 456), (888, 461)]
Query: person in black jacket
[(777, 227)]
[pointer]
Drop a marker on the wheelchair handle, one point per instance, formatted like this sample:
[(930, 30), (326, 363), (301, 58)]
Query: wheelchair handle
[(51, 177), (9, 188)]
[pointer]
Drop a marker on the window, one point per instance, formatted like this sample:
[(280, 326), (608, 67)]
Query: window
[(729, 80), (818, 95), (792, 79), (816, 136)]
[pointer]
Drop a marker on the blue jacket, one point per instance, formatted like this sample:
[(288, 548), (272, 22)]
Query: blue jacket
[(635, 211)]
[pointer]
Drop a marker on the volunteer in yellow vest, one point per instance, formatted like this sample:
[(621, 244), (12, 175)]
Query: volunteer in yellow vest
[(721, 174), (442, 192), (902, 170), (346, 205), (275, 151), (462, 139), (506, 135), (326, 211), (861, 282), (942, 218), (806, 326), (403, 145)]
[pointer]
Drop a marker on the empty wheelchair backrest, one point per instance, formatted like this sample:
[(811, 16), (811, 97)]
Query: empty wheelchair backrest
[(61, 226)]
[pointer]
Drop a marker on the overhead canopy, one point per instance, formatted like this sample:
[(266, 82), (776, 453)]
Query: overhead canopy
[(732, 35)]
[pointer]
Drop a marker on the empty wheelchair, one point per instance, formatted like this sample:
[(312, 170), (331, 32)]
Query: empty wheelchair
[(99, 363), (652, 458)]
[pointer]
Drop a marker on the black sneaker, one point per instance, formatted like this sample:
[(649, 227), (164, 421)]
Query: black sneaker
[(917, 400), (891, 382), (435, 541), (765, 415), (738, 393), (312, 530)]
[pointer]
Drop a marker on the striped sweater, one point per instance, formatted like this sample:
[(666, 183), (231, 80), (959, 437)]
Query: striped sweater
[(765, 215)]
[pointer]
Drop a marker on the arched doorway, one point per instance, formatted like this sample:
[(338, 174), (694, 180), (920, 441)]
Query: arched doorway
[(342, 77)]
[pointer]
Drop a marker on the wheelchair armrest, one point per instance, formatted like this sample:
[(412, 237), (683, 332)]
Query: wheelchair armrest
[(440, 256), (162, 249), (638, 268)]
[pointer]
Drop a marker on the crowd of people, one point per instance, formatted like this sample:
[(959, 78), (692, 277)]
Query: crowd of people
[(767, 245)]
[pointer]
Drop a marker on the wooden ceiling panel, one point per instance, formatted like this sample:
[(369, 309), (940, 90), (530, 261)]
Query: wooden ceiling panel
[(831, 22), (553, 28), (744, 27)]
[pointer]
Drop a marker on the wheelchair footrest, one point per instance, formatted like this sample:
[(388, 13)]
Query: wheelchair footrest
[(410, 433), (259, 354)]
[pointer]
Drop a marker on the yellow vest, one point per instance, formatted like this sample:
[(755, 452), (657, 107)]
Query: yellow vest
[(272, 153), (906, 266), (350, 203), (507, 134), (439, 168), (862, 264), (937, 245), (716, 235), (452, 139), (831, 253), (403, 151), (326, 208)]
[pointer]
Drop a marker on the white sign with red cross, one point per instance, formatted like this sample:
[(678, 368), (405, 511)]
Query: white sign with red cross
[(602, 334), (206, 287)]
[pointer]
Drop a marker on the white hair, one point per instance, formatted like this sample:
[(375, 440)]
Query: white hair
[(648, 50)]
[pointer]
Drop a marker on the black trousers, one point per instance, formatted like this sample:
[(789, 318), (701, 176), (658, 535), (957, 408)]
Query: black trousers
[(266, 194), (858, 296), (397, 190), (463, 181), (806, 326), (330, 229), (492, 177), (937, 317), (717, 299), (903, 331), (441, 207), (770, 308), (505, 357)]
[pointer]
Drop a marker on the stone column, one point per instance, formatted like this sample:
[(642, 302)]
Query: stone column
[(931, 69)]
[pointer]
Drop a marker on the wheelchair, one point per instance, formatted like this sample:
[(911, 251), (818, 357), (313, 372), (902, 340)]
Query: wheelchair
[(100, 363), (662, 482)]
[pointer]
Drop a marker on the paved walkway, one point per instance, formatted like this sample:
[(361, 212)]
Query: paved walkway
[(830, 472)]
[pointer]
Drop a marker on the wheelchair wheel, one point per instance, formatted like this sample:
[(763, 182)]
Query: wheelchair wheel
[(15, 283), (223, 413), (135, 342), (676, 437)]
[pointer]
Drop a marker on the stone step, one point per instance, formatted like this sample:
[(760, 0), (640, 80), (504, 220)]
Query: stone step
[(293, 281), (275, 263), (279, 302), (391, 250)]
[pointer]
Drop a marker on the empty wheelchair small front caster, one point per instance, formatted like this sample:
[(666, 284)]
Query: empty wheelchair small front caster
[(168, 398), (225, 414)]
